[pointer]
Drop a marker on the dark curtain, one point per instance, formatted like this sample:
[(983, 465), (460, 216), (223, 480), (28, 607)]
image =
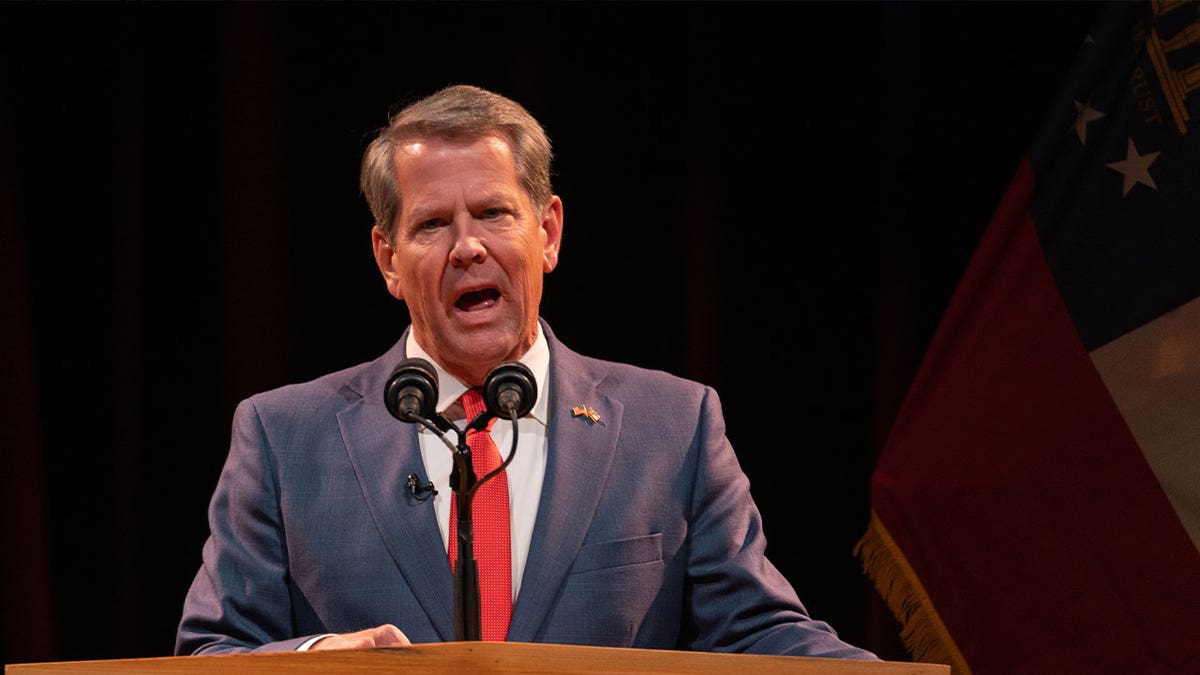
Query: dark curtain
[(772, 198)]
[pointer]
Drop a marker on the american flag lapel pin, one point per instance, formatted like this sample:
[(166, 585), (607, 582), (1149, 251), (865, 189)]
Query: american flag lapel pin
[(586, 411)]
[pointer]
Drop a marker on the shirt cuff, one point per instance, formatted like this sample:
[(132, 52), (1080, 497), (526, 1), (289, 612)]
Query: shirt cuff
[(312, 641)]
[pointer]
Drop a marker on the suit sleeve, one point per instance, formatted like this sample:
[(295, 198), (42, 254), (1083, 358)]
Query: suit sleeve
[(737, 600), (239, 600)]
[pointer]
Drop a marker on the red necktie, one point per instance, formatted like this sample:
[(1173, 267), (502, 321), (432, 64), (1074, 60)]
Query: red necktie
[(489, 518)]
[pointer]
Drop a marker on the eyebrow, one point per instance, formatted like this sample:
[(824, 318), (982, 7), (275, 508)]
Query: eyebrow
[(499, 196)]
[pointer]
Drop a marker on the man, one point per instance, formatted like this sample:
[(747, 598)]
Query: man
[(630, 524)]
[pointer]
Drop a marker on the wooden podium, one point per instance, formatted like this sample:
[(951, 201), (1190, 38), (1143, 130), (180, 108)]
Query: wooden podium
[(485, 657)]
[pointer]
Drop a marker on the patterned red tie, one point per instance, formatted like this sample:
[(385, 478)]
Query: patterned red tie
[(489, 518)]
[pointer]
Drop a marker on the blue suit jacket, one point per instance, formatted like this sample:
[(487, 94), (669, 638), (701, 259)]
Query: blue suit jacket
[(646, 534)]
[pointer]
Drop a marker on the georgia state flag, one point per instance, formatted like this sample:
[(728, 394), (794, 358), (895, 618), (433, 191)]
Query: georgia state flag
[(1036, 508)]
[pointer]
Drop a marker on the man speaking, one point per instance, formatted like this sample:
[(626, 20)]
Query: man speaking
[(623, 518)]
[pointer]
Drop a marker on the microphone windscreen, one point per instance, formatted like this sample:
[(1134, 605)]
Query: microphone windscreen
[(412, 389), (510, 388)]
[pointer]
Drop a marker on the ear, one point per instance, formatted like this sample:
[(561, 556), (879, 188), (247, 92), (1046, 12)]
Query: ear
[(552, 224), (385, 258)]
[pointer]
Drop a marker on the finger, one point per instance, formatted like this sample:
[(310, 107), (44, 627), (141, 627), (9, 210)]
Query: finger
[(388, 635)]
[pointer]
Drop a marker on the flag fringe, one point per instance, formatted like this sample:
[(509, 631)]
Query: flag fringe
[(921, 629)]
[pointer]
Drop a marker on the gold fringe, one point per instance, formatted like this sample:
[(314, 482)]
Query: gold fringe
[(922, 630)]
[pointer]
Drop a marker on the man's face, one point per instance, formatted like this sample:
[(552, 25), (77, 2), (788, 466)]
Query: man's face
[(468, 252)]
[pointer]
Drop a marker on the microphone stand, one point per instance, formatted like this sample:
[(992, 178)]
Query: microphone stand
[(466, 573), (464, 484)]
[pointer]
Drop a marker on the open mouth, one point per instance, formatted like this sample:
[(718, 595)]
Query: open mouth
[(474, 301)]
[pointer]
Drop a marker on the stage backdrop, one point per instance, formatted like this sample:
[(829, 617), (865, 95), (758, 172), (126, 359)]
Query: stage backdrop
[(776, 199)]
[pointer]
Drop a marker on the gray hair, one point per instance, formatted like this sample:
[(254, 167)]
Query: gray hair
[(457, 112)]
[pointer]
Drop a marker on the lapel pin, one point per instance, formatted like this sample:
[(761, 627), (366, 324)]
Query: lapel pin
[(586, 411)]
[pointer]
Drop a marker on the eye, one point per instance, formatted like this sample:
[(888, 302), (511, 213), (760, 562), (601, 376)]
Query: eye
[(430, 224), (493, 213)]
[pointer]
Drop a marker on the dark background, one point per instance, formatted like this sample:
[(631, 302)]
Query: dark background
[(776, 199)]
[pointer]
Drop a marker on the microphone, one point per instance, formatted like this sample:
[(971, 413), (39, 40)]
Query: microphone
[(412, 390), (509, 389), (415, 487)]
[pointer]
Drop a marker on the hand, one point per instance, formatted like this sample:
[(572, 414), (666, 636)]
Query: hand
[(386, 635)]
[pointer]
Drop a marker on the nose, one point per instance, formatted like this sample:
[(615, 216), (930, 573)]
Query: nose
[(467, 249)]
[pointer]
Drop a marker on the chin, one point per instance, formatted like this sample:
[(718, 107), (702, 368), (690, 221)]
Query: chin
[(483, 348)]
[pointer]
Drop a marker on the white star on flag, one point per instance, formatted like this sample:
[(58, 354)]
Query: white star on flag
[(1084, 114), (1135, 168)]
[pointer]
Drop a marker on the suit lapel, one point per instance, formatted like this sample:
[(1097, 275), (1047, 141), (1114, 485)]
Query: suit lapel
[(383, 451), (579, 458)]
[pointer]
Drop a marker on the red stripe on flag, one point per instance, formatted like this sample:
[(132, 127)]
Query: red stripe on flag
[(1018, 495)]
